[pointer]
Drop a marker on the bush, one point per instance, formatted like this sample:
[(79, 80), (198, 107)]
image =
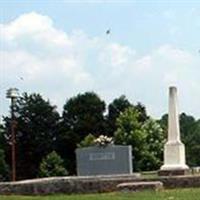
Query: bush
[(52, 165), (87, 141)]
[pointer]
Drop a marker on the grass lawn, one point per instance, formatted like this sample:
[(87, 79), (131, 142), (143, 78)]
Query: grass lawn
[(179, 194)]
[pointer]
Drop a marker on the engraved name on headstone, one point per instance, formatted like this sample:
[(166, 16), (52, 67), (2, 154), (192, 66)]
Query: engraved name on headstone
[(102, 156)]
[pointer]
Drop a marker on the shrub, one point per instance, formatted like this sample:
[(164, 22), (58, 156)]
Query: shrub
[(52, 165), (87, 141)]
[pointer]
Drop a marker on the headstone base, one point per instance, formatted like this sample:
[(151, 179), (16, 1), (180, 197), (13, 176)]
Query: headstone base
[(175, 172), (140, 186)]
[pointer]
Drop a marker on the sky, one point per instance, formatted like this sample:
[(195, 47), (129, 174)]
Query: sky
[(60, 48)]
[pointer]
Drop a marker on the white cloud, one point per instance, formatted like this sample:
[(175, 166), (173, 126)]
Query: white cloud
[(116, 55), (59, 65), (144, 64), (38, 27), (169, 14)]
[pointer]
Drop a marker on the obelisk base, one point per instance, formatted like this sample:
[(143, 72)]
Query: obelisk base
[(174, 160), (174, 172)]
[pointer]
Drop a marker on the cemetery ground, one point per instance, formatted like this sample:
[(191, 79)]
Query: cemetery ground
[(173, 194)]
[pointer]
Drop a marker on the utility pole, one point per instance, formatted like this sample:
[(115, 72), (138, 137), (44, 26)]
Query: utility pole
[(12, 94)]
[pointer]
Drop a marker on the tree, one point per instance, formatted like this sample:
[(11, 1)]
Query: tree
[(146, 138), (142, 110), (164, 124), (187, 126), (129, 132), (4, 169), (36, 133), (192, 143), (153, 154), (118, 106), (2, 137), (87, 141), (82, 114), (114, 109), (52, 165)]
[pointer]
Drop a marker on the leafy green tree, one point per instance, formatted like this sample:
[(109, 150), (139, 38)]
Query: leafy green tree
[(82, 114), (116, 107), (142, 110), (4, 169), (36, 133), (187, 126), (164, 124), (192, 143), (2, 138), (129, 132), (146, 138), (153, 154), (87, 141), (52, 165)]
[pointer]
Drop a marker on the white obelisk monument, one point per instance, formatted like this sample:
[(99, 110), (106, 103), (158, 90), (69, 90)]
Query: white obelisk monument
[(174, 149)]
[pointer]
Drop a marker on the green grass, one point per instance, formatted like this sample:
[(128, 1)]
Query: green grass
[(149, 174), (179, 194)]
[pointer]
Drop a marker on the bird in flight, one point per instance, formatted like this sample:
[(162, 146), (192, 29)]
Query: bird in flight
[(108, 32)]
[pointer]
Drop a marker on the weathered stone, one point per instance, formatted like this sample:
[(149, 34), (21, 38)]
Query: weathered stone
[(174, 149), (140, 186), (174, 172), (94, 184)]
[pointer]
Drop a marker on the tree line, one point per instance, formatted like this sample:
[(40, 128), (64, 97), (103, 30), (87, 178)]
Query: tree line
[(46, 140)]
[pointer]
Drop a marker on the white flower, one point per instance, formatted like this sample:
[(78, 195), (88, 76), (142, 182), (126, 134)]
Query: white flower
[(103, 140)]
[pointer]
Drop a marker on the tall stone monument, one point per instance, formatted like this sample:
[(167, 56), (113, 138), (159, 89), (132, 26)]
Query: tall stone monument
[(174, 149)]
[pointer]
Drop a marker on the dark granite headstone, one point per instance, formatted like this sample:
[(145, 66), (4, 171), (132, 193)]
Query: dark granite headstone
[(112, 159)]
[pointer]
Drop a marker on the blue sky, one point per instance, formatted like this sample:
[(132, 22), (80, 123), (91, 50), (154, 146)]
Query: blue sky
[(60, 49), (131, 21)]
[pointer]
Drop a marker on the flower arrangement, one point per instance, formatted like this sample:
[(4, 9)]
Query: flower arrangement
[(103, 141)]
